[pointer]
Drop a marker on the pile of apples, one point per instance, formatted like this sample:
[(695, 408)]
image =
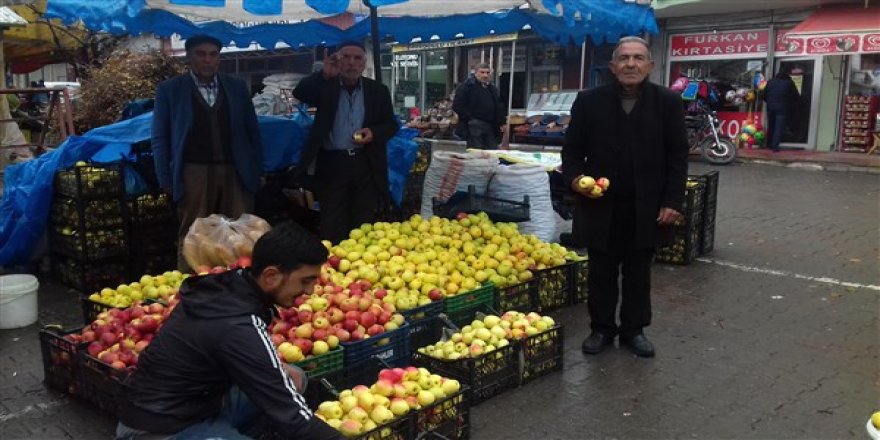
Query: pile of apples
[(396, 392), (596, 187), (421, 260), (118, 336), (158, 287), (488, 334), (319, 322)]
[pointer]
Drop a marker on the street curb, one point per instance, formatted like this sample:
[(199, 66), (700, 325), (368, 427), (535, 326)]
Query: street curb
[(813, 166)]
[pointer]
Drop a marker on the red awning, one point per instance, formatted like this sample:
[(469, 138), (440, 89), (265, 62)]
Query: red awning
[(836, 31)]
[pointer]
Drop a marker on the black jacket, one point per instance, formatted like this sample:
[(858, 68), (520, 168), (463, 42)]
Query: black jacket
[(322, 93), (472, 101), (781, 93), (214, 339), (655, 135)]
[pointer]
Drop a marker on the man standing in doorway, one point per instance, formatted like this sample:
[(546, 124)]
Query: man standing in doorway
[(781, 96), (206, 142), (346, 150), (632, 132), (478, 105)]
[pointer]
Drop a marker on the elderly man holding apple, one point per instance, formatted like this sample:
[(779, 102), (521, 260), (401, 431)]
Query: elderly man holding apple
[(346, 151), (212, 368), (630, 133)]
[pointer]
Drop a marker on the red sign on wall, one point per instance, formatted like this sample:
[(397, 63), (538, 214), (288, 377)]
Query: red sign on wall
[(719, 44), (732, 123), (871, 43)]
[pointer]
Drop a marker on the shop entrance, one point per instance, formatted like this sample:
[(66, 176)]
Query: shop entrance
[(801, 130)]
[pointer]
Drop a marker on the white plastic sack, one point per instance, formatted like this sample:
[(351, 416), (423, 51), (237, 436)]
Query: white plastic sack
[(513, 182), (450, 172)]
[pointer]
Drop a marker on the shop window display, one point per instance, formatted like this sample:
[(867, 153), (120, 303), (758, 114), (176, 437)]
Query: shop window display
[(864, 78), (724, 85)]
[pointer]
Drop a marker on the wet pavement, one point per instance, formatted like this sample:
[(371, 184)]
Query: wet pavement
[(774, 335)]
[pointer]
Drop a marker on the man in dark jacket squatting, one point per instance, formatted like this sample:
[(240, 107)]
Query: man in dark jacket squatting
[(631, 132), (213, 368)]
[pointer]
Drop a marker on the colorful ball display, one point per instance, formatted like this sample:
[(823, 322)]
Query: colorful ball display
[(750, 129), (759, 136)]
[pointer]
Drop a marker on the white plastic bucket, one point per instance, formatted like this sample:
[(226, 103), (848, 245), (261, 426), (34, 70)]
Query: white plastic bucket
[(18, 300)]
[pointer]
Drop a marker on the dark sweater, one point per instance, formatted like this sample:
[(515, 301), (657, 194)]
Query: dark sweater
[(208, 141)]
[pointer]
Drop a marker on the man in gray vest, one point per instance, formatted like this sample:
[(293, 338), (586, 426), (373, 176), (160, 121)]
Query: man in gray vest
[(206, 142)]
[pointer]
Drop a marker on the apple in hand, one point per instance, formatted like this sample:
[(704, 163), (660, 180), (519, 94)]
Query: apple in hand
[(604, 183), (586, 183)]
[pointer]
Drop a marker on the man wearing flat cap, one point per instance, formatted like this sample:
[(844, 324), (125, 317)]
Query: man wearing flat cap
[(206, 142), (346, 151)]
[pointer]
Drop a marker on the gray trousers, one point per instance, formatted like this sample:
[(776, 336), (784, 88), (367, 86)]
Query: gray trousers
[(482, 134)]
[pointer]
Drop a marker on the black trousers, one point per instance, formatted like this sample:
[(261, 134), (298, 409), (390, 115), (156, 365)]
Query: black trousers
[(482, 135), (347, 195), (623, 271)]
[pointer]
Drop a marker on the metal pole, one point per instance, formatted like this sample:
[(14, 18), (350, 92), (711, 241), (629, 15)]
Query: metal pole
[(583, 62), (374, 31), (510, 89)]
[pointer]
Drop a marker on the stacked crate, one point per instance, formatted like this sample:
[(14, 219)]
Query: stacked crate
[(710, 207), (153, 225), (686, 245), (88, 236)]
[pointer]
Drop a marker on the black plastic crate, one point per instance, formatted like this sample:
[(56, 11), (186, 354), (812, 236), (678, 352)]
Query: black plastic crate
[(710, 206), (89, 245), (448, 418), (411, 202), (487, 375), (553, 288), (151, 209), (91, 309), (462, 308), (91, 181), (469, 202), (685, 247), (401, 428), (60, 362), (522, 297), (388, 345), (78, 214), (424, 325), (102, 385), (578, 276), (423, 158), (89, 276), (541, 354)]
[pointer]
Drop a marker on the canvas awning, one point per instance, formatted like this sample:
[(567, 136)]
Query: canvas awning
[(830, 31)]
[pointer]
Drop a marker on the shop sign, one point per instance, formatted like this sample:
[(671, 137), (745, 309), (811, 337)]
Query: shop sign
[(732, 122), (871, 43), (406, 60), (719, 44), (453, 43), (788, 46), (832, 44)]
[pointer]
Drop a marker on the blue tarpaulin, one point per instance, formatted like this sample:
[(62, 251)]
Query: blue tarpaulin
[(28, 187), (600, 20)]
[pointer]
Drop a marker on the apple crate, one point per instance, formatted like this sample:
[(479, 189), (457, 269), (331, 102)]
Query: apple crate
[(449, 418), (320, 366), (60, 362), (552, 288), (498, 210), (487, 375), (710, 206), (102, 385), (81, 214), (685, 246), (424, 325), (461, 308), (89, 245), (151, 209), (88, 276), (391, 347), (578, 276), (541, 354), (522, 297), (401, 428), (159, 262), (91, 181)]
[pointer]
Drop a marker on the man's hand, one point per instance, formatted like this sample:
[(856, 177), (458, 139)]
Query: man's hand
[(668, 216), (362, 136), (298, 376), (331, 66), (576, 188)]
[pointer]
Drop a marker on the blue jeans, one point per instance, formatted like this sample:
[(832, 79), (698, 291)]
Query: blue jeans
[(776, 122), (237, 413)]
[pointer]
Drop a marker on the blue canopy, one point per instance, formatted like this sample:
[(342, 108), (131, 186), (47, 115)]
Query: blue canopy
[(600, 20)]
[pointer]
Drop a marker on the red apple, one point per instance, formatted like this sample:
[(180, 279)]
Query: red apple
[(320, 334), (335, 315), (304, 344), (350, 325), (277, 339), (383, 317), (375, 329), (280, 327), (343, 335), (358, 334), (88, 335), (95, 348), (108, 338), (149, 324), (349, 305), (333, 261), (300, 300), (380, 293), (321, 323), (368, 319), (435, 294)]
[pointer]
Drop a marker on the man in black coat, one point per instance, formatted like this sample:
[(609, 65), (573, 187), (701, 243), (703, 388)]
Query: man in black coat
[(480, 111), (631, 132), (781, 96), (346, 150)]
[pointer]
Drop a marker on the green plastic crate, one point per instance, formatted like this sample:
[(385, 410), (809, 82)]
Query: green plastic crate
[(461, 308), (322, 365)]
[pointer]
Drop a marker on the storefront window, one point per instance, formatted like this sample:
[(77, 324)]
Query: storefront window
[(406, 69), (437, 75), (865, 75), (546, 65), (728, 82)]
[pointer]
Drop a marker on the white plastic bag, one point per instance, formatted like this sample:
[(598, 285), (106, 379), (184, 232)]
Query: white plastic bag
[(512, 182), (218, 241), (450, 172)]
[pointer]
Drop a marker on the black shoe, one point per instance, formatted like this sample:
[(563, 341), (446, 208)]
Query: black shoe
[(639, 345), (596, 343)]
